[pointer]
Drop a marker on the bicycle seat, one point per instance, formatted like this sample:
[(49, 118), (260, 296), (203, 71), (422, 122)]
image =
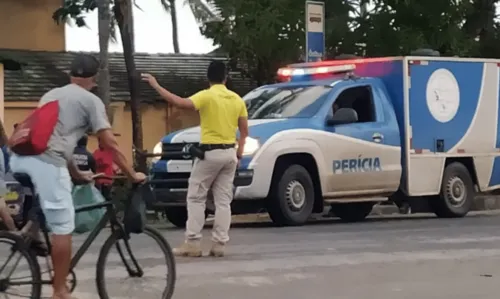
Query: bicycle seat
[(24, 179)]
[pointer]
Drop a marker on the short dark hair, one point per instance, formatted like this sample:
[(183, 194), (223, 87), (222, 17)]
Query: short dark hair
[(83, 141), (216, 72)]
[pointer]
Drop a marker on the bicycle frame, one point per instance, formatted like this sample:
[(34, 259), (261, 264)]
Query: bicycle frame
[(115, 225), (107, 218)]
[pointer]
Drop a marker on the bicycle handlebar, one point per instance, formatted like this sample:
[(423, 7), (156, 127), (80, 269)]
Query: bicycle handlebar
[(108, 177), (120, 177)]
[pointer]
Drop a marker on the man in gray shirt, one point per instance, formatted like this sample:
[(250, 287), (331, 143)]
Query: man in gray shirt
[(79, 111)]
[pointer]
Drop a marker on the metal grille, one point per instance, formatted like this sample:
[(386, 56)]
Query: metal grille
[(173, 151), (173, 147), (177, 179)]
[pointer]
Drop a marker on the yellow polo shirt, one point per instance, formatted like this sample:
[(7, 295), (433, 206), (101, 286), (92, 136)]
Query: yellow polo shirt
[(219, 110)]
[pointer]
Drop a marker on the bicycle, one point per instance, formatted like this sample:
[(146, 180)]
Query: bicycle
[(20, 243)]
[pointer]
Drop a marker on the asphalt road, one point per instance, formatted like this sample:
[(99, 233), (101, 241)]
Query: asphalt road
[(404, 257)]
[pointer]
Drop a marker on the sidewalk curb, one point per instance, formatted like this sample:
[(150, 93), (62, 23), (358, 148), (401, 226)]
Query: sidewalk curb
[(481, 203), (486, 203)]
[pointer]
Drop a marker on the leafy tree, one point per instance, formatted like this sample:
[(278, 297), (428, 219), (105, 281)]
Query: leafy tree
[(120, 14), (342, 18), (104, 25), (262, 35), (201, 11), (399, 26), (75, 10), (454, 28), (258, 35), (482, 25)]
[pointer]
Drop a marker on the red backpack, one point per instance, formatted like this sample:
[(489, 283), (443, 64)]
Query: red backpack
[(31, 137)]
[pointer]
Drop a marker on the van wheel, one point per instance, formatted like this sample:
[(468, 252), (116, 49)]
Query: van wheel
[(353, 211), (178, 216), (457, 192), (292, 197)]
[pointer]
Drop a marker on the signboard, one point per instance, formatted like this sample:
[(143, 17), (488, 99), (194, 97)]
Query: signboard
[(315, 31)]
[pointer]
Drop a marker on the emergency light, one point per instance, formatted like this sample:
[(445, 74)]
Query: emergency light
[(305, 70)]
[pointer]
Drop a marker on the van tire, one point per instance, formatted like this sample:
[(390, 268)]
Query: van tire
[(177, 216), (457, 192), (353, 211), (291, 199)]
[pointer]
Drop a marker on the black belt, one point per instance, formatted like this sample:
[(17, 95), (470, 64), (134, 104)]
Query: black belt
[(211, 147)]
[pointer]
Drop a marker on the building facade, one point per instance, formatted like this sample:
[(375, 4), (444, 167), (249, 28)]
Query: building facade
[(33, 60)]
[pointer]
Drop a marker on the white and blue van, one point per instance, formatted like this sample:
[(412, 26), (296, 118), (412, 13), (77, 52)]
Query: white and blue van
[(352, 133)]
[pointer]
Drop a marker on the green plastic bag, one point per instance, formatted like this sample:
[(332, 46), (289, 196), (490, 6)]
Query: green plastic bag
[(86, 195)]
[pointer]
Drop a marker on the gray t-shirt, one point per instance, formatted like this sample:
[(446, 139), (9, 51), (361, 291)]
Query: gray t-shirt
[(79, 112)]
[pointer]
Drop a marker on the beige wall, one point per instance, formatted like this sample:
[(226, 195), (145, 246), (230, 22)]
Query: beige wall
[(181, 119), (28, 25), (155, 122)]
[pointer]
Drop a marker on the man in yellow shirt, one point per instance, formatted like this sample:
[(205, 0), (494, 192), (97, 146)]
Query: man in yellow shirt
[(222, 112)]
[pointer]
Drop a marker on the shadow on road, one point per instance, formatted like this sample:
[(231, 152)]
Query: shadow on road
[(265, 222), (330, 220)]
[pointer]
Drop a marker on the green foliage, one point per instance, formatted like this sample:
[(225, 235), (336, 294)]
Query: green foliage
[(201, 11), (262, 35), (76, 9), (259, 35), (408, 25)]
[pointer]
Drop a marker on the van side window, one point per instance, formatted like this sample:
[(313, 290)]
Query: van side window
[(360, 99)]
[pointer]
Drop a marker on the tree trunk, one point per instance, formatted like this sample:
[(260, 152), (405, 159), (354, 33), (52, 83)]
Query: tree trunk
[(130, 18), (121, 15), (175, 31), (104, 23)]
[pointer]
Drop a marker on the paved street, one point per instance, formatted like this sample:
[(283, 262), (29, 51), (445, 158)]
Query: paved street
[(383, 258)]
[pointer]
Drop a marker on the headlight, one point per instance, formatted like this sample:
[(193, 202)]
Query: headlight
[(158, 149), (251, 146)]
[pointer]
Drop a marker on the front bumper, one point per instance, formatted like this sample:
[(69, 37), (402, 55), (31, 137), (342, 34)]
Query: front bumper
[(170, 188)]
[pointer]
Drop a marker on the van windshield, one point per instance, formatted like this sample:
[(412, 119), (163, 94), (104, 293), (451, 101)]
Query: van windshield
[(285, 101)]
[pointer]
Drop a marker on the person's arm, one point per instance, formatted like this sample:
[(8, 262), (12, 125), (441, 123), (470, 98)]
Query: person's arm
[(102, 128), (116, 169), (167, 95), (91, 162), (73, 170), (243, 128), (109, 142)]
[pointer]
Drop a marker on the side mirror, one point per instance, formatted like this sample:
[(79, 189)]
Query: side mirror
[(343, 116)]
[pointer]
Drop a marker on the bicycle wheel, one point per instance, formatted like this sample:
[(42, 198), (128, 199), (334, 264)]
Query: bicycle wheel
[(29, 278), (153, 263)]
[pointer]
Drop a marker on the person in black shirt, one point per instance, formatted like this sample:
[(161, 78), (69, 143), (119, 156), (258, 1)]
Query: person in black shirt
[(82, 157)]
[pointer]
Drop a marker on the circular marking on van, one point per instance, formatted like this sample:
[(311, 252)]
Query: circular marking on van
[(443, 95)]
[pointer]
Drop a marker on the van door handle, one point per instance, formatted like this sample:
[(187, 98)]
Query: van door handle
[(377, 137)]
